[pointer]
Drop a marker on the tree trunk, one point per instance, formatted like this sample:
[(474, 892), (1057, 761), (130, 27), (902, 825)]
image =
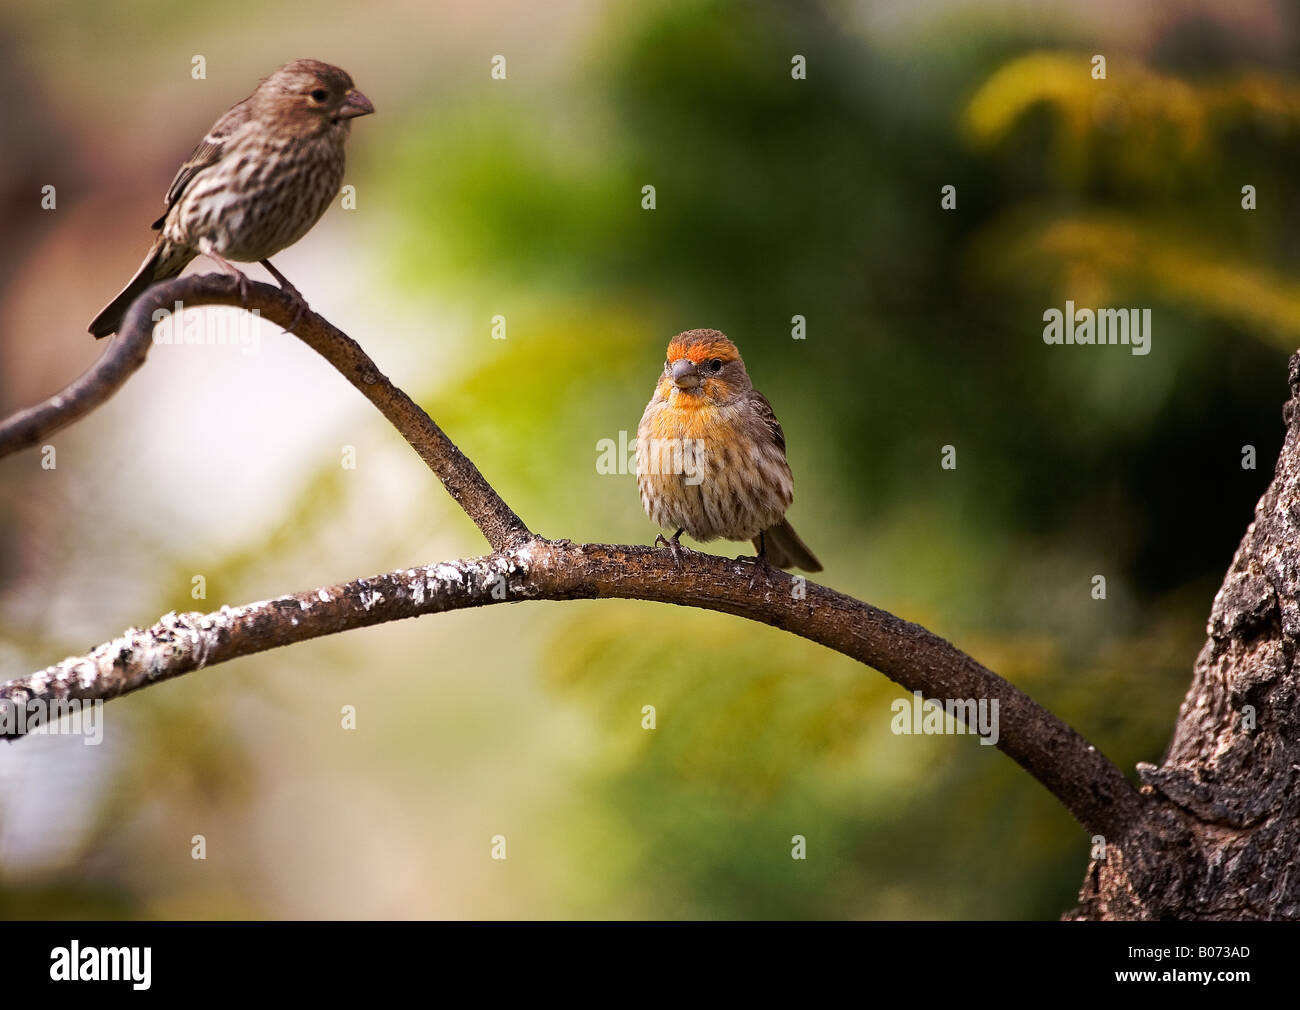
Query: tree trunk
[(1221, 838)]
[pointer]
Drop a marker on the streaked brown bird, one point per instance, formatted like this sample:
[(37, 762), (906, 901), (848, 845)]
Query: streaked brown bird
[(710, 454), (264, 174)]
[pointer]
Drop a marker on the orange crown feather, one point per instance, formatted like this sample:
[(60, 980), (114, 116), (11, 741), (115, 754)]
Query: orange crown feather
[(702, 345)]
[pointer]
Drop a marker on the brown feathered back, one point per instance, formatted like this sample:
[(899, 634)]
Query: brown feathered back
[(257, 182)]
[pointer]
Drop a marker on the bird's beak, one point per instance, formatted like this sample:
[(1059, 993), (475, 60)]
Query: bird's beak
[(355, 104), (685, 375)]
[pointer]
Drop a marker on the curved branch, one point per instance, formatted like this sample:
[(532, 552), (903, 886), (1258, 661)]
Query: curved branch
[(104, 378), (128, 350), (1090, 786), (525, 567)]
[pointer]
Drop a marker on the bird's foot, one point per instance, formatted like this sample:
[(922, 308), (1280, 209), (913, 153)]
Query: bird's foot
[(673, 544), (239, 281), (300, 306), (761, 567), (237, 277)]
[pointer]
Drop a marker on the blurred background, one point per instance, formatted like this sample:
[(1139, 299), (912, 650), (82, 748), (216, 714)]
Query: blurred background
[(775, 197)]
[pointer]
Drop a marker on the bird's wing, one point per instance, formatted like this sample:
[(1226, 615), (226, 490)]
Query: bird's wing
[(208, 153), (768, 416)]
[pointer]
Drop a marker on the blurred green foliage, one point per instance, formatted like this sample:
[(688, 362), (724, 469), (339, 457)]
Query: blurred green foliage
[(821, 197)]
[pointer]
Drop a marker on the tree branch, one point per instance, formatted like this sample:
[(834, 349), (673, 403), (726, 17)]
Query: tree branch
[(1092, 788), (525, 567), (128, 350)]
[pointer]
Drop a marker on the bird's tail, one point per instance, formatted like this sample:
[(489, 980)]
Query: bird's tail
[(164, 260), (786, 550)]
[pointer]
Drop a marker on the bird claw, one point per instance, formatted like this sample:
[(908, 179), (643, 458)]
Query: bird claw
[(673, 545), (240, 282), (300, 306), (761, 564), (299, 303)]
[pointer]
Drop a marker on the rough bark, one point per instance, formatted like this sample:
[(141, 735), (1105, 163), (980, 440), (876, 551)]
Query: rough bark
[(1222, 838)]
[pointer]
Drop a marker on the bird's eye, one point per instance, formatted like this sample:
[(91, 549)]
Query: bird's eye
[(715, 365), (319, 95)]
